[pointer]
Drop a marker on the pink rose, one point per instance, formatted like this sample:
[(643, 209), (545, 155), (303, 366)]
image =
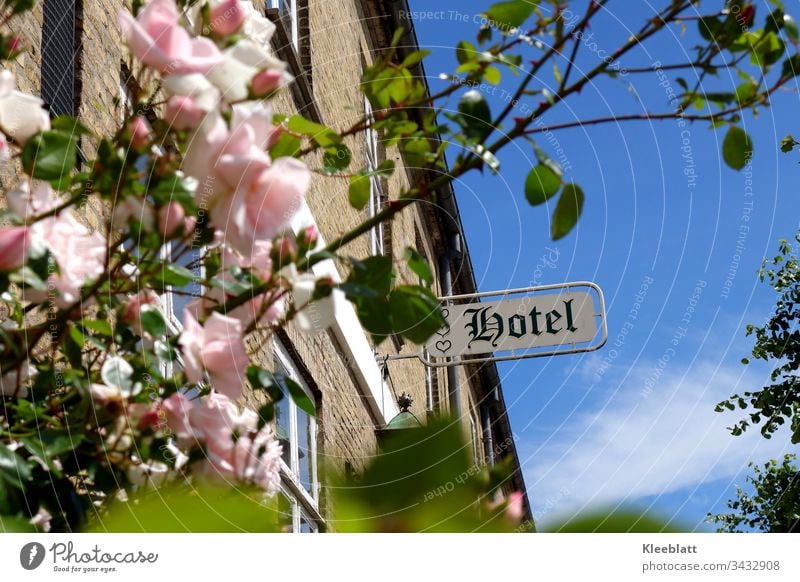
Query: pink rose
[(216, 348), (227, 17), (14, 242), (132, 314), (158, 40), (80, 255), (177, 409), (266, 199), (26, 204), (5, 152), (21, 115), (269, 308), (183, 112), (140, 131), (171, 218), (144, 415), (515, 509), (255, 458)]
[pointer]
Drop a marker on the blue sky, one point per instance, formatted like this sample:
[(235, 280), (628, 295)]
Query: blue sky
[(615, 426)]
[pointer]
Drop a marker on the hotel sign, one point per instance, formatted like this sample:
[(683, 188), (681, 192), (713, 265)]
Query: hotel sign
[(531, 322), (516, 324), (513, 324)]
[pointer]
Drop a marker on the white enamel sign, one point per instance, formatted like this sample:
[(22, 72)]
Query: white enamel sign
[(533, 321)]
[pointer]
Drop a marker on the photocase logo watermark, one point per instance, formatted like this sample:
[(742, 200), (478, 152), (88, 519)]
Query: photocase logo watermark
[(31, 555)]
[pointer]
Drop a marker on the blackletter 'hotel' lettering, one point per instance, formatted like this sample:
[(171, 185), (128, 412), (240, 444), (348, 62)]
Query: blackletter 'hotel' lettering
[(512, 324)]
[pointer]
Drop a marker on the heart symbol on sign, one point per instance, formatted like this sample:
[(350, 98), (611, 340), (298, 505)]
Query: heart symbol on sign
[(444, 345)]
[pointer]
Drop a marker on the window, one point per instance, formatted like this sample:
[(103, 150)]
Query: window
[(376, 234), (175, 299), (297, 433), (476, 454), (288, 11), (61, 55)]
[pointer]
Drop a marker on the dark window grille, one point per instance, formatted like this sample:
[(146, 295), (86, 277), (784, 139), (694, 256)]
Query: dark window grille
[(60, 54)]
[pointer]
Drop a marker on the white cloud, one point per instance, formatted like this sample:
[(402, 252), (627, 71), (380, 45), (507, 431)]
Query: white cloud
[(640, 444)]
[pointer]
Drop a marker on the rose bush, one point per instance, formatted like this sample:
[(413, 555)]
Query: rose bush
[(104, 395)]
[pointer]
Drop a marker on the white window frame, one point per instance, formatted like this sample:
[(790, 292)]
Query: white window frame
[(376, 233), (289, 7), (473, 429), (305, 504)]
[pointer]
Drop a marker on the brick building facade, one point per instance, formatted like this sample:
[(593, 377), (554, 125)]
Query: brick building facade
[(76, 60)]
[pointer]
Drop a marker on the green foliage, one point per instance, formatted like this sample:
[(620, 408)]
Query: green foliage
[(419, 265), (50, 156), (772, 506), (415, 313), (183, 509), (408, 310), (778, 342), (617, 520), (475, 116), (422, 480), (323, 136)]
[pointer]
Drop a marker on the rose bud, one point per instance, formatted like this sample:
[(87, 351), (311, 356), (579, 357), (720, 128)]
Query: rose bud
[(227, 17), (140, 131), (171, 219), (14, 243)]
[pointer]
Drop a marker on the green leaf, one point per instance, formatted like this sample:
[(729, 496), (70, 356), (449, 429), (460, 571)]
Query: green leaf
[(414, 58), (359, 191), (746, 91), (297, 394), (492, 75), (736, 148), (416, 151), (50, 155), (766, 49), (791, 67), (418, 264), (337, 157), (508, 15), (541, 185), (465, 52), (475, 113), (14, 470), (287, 145), (386, 168), (152, 321), (49, 444), (70, 125), (415, 313), (375, 272), (324, 136), (176, 275), (99, 326), (790, 26), (708, 27), (567, 212)]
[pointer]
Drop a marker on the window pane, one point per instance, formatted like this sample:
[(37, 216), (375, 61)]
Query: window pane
[(306, 448), (283, 429), (190, 258), (286, 511), (306, 525)]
